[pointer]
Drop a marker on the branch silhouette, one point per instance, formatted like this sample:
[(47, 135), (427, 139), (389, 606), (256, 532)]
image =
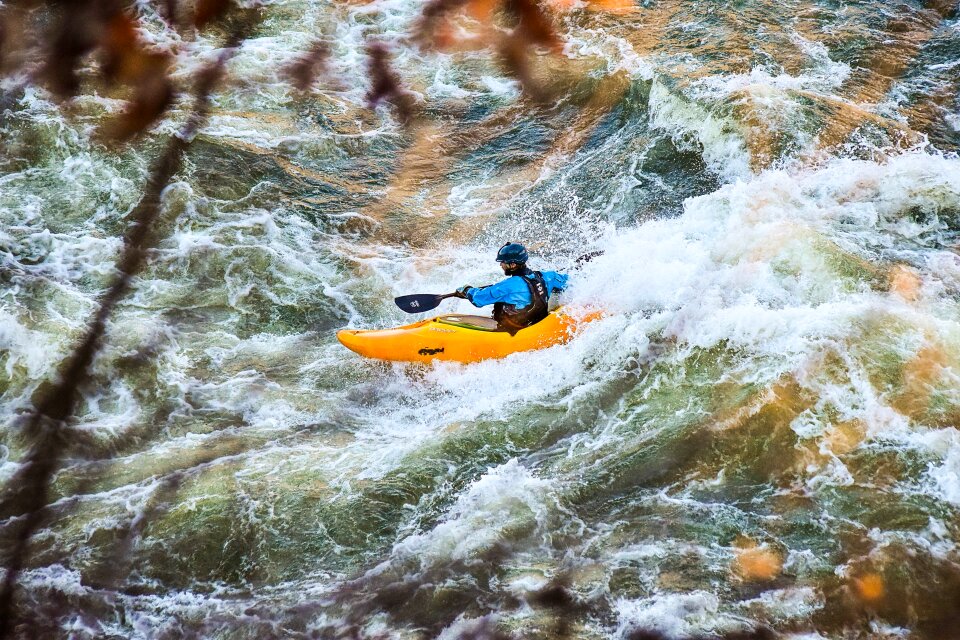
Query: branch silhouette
[(46, 430)]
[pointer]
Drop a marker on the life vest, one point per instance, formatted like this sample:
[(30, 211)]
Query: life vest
[(511, 319)]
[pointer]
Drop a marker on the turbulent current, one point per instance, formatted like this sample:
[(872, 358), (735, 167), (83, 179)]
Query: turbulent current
[(760, 437)]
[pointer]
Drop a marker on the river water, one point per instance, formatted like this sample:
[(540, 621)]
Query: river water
[(762, 433)]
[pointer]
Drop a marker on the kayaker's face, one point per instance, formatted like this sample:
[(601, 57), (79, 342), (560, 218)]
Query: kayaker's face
[(508, 266)]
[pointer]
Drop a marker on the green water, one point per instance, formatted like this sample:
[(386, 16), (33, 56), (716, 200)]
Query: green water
[(761, 434)]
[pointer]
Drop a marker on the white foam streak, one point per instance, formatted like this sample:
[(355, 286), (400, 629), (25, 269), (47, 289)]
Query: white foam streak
[(946, 476), (676, 615), (506, 502), (719, 139), (23, 347)]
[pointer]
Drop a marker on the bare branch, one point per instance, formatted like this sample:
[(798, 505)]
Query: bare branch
[(426, 29), (27, 492), (386, 83), (303, 72)]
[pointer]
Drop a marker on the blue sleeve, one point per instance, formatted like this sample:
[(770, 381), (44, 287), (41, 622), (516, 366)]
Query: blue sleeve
[(482, 296), (555, 281), (512, 291)]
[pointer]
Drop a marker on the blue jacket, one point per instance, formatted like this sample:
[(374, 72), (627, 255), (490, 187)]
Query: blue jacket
[(514, 290)]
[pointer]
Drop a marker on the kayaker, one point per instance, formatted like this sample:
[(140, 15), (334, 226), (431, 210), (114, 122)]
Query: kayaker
[(520, 300)]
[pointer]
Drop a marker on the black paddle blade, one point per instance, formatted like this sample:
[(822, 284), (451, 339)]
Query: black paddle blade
[(419, 302)]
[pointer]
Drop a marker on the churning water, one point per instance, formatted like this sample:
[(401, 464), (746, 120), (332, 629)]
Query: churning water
[(761, 433)]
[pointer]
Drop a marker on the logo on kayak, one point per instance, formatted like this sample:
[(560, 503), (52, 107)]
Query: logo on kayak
[(430, 352), (415, 304)]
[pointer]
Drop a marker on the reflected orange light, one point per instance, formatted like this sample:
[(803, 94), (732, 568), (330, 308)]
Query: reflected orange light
[(482, 10), (757, 563), (869, 587), (905, 282), (613, 6), (610, 6)]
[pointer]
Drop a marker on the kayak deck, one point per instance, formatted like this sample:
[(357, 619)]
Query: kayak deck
[(461, 338)]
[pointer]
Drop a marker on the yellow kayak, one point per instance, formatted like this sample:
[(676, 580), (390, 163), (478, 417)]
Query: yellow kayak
[(461, 338)]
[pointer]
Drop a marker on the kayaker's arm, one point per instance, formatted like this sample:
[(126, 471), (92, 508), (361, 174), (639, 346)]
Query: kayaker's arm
[(555, 281), (511, 291), (471, 293), (466, 292), (491, 294)]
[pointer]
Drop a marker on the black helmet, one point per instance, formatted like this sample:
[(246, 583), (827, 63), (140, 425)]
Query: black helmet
[(512, 252)]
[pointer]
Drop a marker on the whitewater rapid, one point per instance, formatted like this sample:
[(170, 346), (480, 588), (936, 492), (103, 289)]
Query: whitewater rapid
[(761, 433)]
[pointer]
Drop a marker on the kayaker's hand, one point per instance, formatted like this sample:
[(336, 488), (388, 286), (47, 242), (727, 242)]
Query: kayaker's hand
[(462, 291)]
